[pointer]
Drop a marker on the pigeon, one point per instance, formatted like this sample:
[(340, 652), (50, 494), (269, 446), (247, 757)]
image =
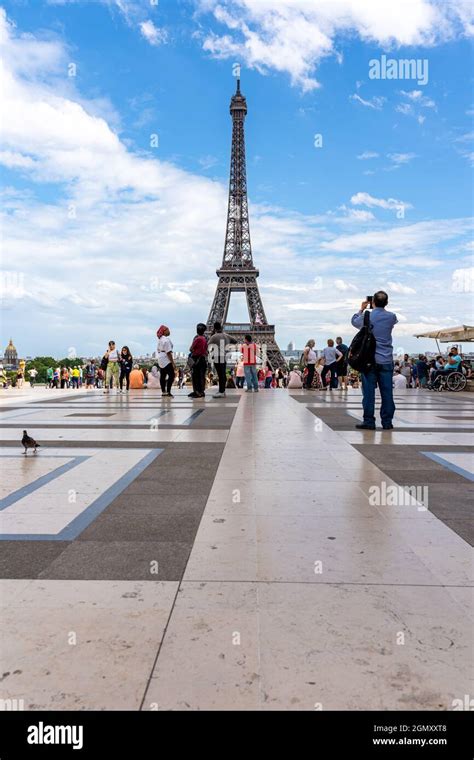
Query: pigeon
[(28, 443)]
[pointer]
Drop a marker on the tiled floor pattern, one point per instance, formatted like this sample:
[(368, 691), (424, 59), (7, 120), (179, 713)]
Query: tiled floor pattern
[(298, 590)]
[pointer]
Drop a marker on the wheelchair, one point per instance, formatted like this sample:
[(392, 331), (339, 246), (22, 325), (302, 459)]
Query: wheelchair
[(451, 381)]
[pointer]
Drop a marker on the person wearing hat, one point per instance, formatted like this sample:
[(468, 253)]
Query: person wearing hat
[(164, 353)]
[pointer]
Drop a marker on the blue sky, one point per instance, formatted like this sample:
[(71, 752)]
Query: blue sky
[(105, 236)]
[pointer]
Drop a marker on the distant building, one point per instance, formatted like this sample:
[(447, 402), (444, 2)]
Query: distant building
[(10, 358), (291, 346), (292, 354)]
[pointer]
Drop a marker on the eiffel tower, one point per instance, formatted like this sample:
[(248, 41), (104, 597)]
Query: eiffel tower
[(237, 273)]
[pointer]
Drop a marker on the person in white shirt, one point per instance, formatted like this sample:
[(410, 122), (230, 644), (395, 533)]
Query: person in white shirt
[(310, 357), (32, 373), (294, 380), (112, 370), (153, 379), (164, 352), (331, 357), (399, 381)]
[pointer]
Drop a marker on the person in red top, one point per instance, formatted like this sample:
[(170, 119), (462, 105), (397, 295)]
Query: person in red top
[(198, 351), (250, 352)]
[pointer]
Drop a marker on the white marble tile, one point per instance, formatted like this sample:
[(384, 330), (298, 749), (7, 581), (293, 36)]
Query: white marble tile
[(117, 625), (217, 626), (341, 647)]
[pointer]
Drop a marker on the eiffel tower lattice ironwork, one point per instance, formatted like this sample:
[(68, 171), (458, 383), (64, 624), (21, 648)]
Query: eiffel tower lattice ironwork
[(237, 273)]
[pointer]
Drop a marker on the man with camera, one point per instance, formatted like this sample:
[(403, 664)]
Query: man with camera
[(380, 373)]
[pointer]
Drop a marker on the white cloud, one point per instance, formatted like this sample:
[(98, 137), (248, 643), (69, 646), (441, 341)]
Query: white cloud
[(398, 287), (376, 102), (421, 237), (152, 33), (16, 160), (111, 287), (401, 158), (178, 296), (319, 306), (357, 215), (463, 140), (463, 281), (343, 285), (418, 101), (294, 36), (367, 154), (417, 97), (364, 199), (468, 137), (207, 162), (405, 108)]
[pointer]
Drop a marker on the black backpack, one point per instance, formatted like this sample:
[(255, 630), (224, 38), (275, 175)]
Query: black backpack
[(361, 355)]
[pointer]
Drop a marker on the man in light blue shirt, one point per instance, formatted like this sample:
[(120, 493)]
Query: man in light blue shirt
[(382, 323)]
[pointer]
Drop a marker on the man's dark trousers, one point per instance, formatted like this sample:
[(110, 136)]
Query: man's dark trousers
[(381, 375)]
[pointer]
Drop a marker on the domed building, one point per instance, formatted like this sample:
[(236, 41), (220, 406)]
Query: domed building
[(10, 358)]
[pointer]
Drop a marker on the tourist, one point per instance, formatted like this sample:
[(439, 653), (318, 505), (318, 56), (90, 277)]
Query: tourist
[(75, 377), (56, 377), (452, 364), (165, 360), (414, 374), (180, 378), (3, 377), (250, 354), (406, 370), (198, 353), (399, 381), (111, 362), (341, 365), (230, 382), (268, 378), (331, 357), (49, 377), (295, 379), (422, 370), (32, 373), (126, 365), (64, 378), (90, 372), (218, 347), (321, 366), (381, 373), (136, 378), (239, 374), (317, 383), (153, 380), (309, 359)]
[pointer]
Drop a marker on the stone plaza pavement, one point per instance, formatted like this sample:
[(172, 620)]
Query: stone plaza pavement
[(238, 553)]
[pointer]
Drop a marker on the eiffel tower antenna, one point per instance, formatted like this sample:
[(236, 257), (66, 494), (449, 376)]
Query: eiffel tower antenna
[(237, 273)]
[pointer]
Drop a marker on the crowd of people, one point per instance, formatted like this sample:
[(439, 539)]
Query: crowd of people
[(330, 370), (422, 373)]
